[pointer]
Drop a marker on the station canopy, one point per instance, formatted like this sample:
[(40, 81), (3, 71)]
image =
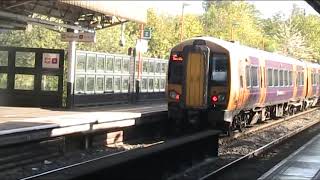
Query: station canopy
[(68, 14), (315, 4)]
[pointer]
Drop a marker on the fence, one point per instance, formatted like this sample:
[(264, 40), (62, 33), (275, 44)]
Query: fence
[(102, 78)]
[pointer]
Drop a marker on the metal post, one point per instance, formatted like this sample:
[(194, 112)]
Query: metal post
[(71, 71), (181, 31)]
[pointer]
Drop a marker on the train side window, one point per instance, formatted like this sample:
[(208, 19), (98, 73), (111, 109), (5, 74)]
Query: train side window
[(281, 78), (248, 83), (285, 78), (254, 76), (290, 78), (275, 77), (270, 78), (298, 78), (302, 79)]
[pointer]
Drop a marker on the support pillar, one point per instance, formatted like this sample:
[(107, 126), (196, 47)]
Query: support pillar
[(71, 72)]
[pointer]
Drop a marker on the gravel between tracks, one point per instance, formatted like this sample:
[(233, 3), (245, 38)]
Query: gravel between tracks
[(67, 159), (241, 146)]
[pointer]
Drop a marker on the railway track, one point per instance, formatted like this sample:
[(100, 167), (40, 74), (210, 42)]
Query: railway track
[(167, 155), (230, 155)]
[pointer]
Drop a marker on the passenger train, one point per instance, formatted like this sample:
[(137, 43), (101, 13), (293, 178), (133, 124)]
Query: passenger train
[(230, 86)]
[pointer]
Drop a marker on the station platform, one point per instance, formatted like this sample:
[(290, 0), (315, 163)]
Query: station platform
[(19, 124), (302, 164)]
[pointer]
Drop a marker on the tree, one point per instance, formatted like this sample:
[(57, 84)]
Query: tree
[(292, 43), (239, 18)]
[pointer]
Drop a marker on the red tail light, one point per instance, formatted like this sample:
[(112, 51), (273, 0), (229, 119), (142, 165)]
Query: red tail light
[(177, 97), (214, 99)]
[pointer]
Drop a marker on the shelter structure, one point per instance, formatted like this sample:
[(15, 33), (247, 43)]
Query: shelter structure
[(65, 16)]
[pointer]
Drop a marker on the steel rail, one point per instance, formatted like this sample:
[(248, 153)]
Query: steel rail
[(261, 149)]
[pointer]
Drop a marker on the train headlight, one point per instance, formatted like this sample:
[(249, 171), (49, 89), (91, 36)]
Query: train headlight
[(174, 95)]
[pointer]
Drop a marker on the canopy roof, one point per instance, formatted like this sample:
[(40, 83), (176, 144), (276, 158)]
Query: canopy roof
[(74, 14), (315, 4)]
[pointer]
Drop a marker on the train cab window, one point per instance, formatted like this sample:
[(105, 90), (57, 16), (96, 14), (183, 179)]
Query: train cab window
[(219, 68), (275, 77), (254, 76), (248, 82), (175, 69), (270, 79), (290, 78)]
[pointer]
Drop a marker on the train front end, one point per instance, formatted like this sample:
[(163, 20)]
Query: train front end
[(198, 87)]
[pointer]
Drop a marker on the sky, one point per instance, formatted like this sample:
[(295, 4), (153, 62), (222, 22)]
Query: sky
[(267, 8)]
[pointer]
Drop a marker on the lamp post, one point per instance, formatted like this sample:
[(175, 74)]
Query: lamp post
[(181, 30), (232, 30)]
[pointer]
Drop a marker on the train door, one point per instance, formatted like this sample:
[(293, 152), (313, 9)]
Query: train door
[(242, 85), (196, 75)]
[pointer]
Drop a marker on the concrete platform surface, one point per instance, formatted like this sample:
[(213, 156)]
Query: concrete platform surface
[(62, 121), (302, 164)]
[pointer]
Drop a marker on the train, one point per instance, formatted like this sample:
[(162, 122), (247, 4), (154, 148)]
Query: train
[(228, 86)]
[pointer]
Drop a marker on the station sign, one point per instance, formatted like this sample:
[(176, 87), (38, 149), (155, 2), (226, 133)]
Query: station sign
[(50, 60), (142, 45), (79, 37), (147, 34)]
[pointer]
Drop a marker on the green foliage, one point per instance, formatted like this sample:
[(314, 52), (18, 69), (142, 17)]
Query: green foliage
[(237, 18), (222, 19)]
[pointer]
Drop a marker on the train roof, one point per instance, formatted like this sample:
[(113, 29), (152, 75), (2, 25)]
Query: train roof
[(235, 48)]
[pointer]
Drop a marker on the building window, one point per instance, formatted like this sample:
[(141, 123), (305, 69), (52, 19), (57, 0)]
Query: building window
[(3, 58), (151, 84), (24, 82), (25, 59), (99, 84), (49, 83), (3, 81), (117, 84), (90, 84), (81, 62), (100, 63), (80, 83), (110, 64), (125, 84), (144, 84), (91, 62), (109, 84), (125, 65), (117, 64)]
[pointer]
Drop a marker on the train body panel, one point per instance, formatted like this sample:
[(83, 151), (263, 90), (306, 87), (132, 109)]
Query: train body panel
[(233, 84)]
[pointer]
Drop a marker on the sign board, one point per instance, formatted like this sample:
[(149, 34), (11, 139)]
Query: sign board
[(79, 37), (147, 34), (142, 45), (50, 60)]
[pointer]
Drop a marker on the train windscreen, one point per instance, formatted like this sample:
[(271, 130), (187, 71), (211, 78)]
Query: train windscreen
[(175, 71), (219, 67)]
